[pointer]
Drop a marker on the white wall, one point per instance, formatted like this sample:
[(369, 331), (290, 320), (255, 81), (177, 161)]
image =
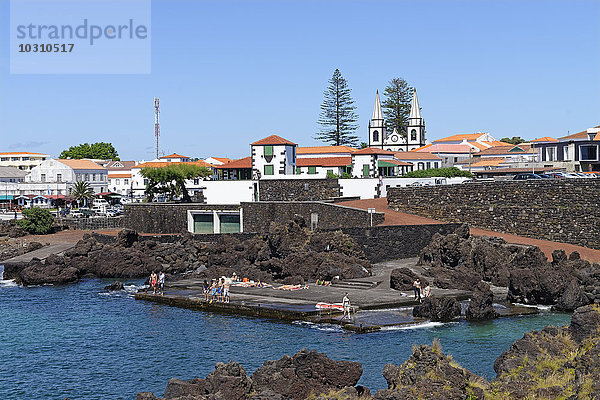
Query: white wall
[(367, 188), (225, 192)]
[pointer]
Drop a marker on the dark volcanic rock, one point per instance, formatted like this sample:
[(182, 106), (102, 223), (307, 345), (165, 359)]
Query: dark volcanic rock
[(428, 374), (116, 285), (16, 231), (572, 298), (585, 322), (438, 309), (127, 237), (305, 373), (403, 278), (37, 273), (481, 304)]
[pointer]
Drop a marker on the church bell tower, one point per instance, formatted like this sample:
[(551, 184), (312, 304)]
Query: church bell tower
[(377, 125)]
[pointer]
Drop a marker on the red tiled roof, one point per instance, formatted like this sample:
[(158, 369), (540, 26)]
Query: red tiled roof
[(224, 160), (445, 148), (372, 150), (112, 176), (81, 164), (21, 152), (160, 164), (413, 155), (174, 155), (273, 140), (325, 150), (324, 162), (460, 137), (126, 165), (578, 135), (480, 146), (545, 139), (242, 163)]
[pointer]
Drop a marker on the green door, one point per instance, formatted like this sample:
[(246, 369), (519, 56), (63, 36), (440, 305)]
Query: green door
[(365, 170), (203, 223), (230, 223)]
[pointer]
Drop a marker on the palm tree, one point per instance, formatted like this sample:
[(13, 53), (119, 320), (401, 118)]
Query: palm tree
[(82, 192)]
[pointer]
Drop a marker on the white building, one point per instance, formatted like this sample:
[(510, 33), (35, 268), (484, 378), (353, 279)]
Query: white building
[(420, 160), (412, 139), (22, 160), (323, 167), (324, 151), (119, 176), (373, 162), (56, 177), (273, 157), (174, 158)]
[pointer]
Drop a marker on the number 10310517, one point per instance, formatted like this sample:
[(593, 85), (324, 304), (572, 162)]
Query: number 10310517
[(46, 47)]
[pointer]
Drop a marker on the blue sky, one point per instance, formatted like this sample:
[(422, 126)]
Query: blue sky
[(232, 72)]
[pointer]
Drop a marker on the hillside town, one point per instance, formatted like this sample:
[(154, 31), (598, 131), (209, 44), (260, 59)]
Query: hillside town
[(30, 179)]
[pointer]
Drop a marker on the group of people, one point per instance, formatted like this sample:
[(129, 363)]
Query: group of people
[(157, 282), (417, 289), (218, 290)]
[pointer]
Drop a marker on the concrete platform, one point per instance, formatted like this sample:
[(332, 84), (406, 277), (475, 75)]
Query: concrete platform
[(375, 304)]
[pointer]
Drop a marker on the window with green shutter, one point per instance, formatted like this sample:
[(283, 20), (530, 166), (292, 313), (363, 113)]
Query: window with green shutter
[(268, 150), (298, 170), (312, 170), (269, 170), (366, 170)]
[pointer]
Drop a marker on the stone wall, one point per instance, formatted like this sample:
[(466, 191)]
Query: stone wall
[(171, 218), (95, 223), (164, 218), (298, 189), (384, 243), (259, 215), (565, 210)]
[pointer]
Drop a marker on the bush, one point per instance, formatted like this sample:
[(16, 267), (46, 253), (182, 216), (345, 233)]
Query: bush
[(439, 172), (346, 175), (37, 221), (331, 175)]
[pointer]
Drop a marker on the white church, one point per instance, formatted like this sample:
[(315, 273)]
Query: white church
[(415, 137)]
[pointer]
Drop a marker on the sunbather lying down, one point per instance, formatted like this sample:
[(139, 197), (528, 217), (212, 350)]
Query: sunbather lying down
[(321, 282)]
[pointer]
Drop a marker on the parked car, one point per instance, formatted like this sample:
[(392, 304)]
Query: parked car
[(546, 176), (524, 177)]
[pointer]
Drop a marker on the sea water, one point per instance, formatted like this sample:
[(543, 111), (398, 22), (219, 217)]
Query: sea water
[(80, 342)]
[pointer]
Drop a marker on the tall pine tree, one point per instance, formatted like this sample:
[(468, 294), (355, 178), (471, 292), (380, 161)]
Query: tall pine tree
[(396, 105), (337, 118)]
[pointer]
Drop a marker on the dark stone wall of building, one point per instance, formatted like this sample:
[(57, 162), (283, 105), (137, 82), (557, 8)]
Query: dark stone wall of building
[(164, 218), (171, 218), (298, 189), (384, 243), (259, 215), (560, 210), (93, 223)]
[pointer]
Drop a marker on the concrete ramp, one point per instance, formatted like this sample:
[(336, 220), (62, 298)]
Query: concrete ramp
[(39, 253)]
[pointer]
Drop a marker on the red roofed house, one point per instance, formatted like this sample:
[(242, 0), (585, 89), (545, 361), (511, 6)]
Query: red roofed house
[(119, 176), (576, 152), (419, 159), (235, 170), (372, 162), (56, 177), (174, 158), (323, 167), (273, 157)]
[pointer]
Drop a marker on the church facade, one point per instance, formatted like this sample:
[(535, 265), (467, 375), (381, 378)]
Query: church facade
[(396, 141)]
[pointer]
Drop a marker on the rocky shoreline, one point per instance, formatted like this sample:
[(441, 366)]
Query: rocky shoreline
[(556, 362)]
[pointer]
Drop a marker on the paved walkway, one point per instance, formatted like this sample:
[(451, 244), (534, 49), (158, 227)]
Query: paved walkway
[(42, 253), (400, 218)]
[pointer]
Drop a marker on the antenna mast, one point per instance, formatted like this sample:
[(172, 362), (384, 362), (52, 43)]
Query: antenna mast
[(156, 126)]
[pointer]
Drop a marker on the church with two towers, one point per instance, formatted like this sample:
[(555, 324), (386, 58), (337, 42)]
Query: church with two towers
[(396, 141)]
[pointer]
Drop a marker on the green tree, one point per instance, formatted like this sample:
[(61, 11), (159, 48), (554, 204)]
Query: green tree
[(100, 150), (82, 192), (37, 221), (514, 140), (439, 172), (396, 105), (338, 118), (170, 180)]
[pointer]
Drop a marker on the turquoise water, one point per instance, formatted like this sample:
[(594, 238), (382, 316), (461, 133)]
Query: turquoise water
[(76, 341)]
